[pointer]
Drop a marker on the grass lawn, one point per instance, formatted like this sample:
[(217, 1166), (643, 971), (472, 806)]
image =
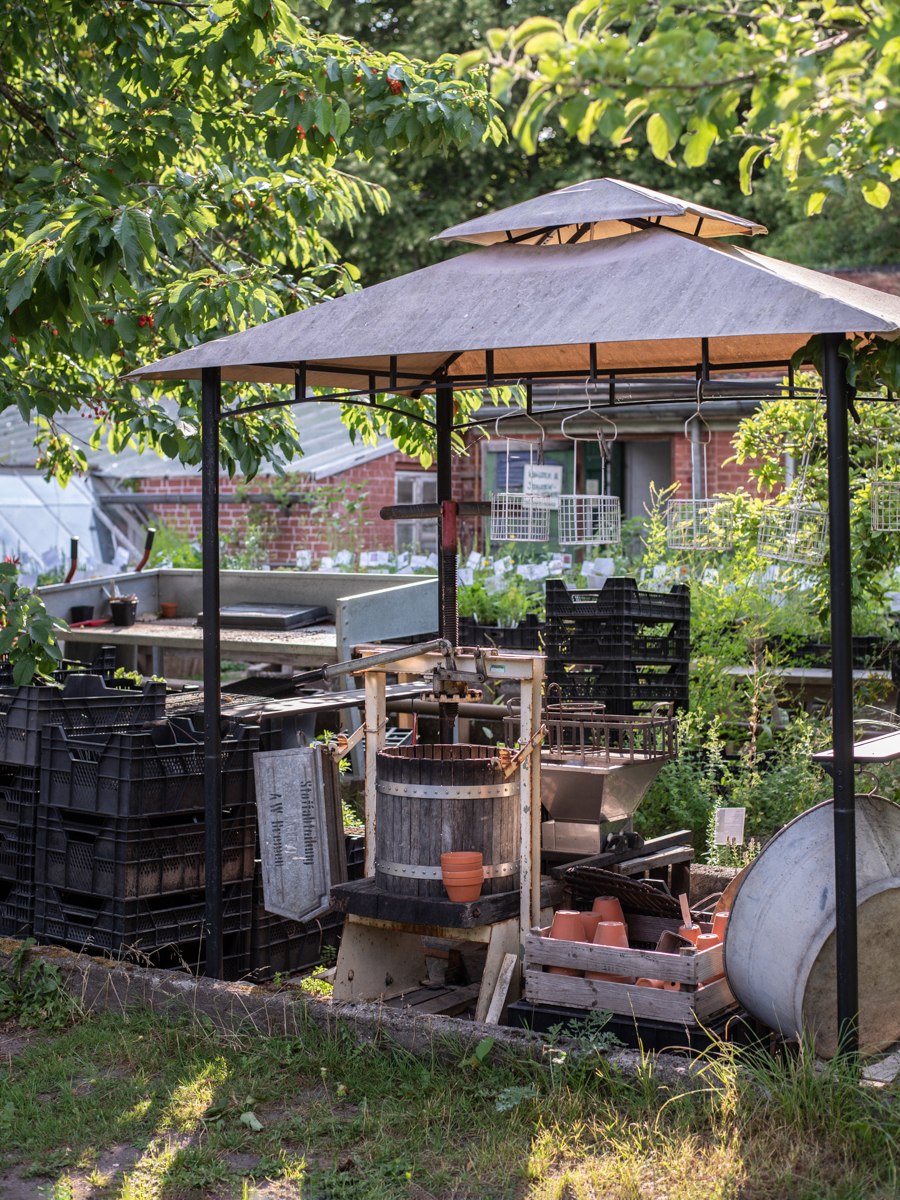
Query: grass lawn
[(141, 1107)]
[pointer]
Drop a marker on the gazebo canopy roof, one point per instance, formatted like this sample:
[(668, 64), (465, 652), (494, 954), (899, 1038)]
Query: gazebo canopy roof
[(643, 301), (595, 209)]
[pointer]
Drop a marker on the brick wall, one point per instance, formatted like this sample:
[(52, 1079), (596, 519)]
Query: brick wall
[(721, 476), (295, 529)]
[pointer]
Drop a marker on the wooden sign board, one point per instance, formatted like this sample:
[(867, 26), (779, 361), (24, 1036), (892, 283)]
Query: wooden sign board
[(301, 834)]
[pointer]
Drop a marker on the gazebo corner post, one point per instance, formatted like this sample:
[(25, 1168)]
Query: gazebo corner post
[(210, 405), (836, 416), (448, 618)]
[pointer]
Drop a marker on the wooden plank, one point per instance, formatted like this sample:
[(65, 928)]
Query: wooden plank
[(681, 837), (712, 999), (478, 933), (652, 862), (504, 940), (361, 896), (625, 998), (614, 960), (498, 1000), (445, 1002)]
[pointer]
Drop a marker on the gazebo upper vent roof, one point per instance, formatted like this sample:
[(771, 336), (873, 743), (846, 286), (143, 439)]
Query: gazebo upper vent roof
[(596, 209)]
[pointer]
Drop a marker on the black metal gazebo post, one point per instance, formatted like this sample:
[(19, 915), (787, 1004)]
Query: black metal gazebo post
[(837, 406), (210, 404)]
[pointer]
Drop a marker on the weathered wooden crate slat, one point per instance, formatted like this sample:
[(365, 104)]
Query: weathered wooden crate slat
[(698, 1000)]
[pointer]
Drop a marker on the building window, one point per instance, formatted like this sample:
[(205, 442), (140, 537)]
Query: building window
[(413, 487)]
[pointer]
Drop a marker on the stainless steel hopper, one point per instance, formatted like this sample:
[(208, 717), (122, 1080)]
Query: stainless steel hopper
[(596, 769)]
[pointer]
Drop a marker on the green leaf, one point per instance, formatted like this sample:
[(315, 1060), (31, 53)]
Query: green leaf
[(745, 167), (702, 135), (483, 1049), (875, 192), (660, 136), (251, 1120)]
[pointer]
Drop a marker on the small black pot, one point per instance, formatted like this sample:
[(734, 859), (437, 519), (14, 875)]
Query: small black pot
[(123, 611), (81, 612)]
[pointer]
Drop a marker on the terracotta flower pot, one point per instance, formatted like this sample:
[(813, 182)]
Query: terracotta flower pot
[(566, 927), (609, 908), (590, 921), (169, 609), (668, 986), (691, 933), (463, 875), (651, 983), (706, 941), (610, 933), (455, 860), (719, 922)]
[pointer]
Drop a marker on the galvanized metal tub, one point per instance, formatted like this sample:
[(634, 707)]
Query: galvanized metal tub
[(779, 949), (431, 800)]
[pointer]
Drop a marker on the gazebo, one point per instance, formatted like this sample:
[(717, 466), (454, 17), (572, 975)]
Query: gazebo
[(594, 282)]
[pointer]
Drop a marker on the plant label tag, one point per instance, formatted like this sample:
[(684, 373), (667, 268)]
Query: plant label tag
[(729, 826), (542, 480)]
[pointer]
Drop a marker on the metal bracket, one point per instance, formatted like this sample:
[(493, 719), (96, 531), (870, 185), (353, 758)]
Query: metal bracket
[(342, 745), (509, 761)]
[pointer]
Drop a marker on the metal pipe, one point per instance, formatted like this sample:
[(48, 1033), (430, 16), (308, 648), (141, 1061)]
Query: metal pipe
[(409, 512), (355, 665), (837, 396), (211, 389), (73, 558), (448, 619), (465, 708)]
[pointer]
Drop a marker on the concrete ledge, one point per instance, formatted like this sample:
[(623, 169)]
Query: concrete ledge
[(102, 985)]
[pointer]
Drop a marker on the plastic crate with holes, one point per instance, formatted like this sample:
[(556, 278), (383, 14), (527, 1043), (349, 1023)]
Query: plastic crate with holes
[(130, 927), (619, 597), (524, 636), (155, 771), (127, 857), (281, 946), (16, 908), (616, 645), (84, 704), (619, 690)]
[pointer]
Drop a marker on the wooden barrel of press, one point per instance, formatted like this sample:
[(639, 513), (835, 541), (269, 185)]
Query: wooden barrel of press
[(434, 799)]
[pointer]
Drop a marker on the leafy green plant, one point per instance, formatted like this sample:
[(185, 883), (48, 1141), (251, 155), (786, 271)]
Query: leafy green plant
[(35, 994), (28, 634)]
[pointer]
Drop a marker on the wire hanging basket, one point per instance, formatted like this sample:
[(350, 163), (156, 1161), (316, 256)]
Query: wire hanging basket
[(703, 523), (795, 532), (884, 500), (699, 524), (520, 516), (586, 520)]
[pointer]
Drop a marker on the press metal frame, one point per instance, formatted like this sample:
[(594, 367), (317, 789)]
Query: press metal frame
[(838, 402)]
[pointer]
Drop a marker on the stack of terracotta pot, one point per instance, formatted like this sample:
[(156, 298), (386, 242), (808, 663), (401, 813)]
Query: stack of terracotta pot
[(463, 874), (605, 925)]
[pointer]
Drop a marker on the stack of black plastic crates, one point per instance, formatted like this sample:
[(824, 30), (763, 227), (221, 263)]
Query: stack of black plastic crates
[(624, 647), (120, 860), (85, 702)]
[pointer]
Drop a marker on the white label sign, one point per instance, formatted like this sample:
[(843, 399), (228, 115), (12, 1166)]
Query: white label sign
[(729, 826), (293, 832), (542, 481)]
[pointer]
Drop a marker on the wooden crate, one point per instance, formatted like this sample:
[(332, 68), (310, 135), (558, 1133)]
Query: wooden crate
[(693, 1005)]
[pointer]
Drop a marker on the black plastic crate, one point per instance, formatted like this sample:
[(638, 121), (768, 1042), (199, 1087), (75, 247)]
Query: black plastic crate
[(17, 850), (84, 704), (119, 926), (20, 791), (618, 647), (524, 636), (191, 956), (103, 664), (355, 845), (619, 597), (279, 945), (141, 774), (619, 690), (125, 857), (16, 908)]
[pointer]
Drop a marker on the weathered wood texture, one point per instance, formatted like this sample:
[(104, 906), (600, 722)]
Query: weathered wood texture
[(700, 998), (418, 830)]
